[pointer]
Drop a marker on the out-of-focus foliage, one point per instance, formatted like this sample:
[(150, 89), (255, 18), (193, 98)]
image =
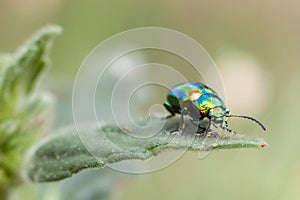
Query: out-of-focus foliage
[(21, 106)]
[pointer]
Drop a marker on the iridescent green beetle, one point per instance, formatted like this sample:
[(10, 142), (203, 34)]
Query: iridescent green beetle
[(199, 101)]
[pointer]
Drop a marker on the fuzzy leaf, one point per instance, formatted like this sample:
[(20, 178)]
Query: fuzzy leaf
[(20, 74), (63, 155), (20, 105)]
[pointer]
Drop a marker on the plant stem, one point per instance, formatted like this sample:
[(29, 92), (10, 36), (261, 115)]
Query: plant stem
[(4, 193)]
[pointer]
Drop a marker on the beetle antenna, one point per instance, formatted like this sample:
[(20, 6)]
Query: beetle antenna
[(251, 118)]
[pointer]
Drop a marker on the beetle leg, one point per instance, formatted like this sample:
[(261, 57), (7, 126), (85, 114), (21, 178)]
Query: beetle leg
[(194, 115), (181, 126), (188, 108), (214, 125), (171, 109), (208, 126), (227, 129), (169, 116), (201, 126), (226, 123)]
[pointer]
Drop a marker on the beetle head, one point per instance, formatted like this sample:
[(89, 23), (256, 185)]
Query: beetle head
[(219, 115)]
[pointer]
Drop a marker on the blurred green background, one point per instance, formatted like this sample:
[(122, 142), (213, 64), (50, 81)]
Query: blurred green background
[(255, 44)]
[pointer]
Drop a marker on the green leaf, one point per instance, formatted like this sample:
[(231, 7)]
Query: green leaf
[(20, 104), (21, 70), (63, 155)]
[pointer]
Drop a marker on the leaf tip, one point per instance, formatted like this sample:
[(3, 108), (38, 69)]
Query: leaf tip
[(264, 144), (52, 30)]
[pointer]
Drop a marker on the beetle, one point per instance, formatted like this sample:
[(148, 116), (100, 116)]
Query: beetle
[(199, 101)]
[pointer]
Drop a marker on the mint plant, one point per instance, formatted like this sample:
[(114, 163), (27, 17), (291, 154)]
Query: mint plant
[(21, 105), (60, 156)]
